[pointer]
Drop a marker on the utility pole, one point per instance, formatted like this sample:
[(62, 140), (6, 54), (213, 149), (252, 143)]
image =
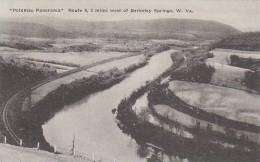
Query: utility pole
[(38, 145), (73, 146), (5, 140), (30, 99)]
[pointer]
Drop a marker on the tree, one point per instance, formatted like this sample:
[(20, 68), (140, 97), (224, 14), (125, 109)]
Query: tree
[(251, 80)]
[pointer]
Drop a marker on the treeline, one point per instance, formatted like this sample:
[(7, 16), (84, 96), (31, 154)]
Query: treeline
[(64, 95), (81, 48), (133, 67), (31, 121), (199, 72), (54, 62), (252, 78), (247, 63), (145, 132), (69, 93), (194, 67), (23, 44), (12, 74), (245, 41), (14, 77), (129, 121), (160, 94)]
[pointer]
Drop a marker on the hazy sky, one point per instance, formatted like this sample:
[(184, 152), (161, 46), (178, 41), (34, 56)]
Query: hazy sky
[(242, 14)]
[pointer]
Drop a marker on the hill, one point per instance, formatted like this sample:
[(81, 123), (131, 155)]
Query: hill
[(158, 28), (244, 41), (30, 30)]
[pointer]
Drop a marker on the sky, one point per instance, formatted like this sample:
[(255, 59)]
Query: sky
[(241, 14)]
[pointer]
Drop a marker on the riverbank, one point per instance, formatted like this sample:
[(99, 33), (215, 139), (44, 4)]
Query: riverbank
[(144, 132), (205, 144), (92, 122), (28, 123)]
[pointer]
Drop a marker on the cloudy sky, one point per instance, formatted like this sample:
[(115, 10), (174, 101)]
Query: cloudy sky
[(242, 14)]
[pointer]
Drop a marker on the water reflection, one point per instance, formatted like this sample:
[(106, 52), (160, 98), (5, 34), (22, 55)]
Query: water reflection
[(93, 123)]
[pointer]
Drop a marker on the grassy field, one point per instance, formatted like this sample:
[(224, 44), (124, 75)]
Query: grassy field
[(225, 74), (231, 103), (229, 76), (78, 59), (222, 56), (43, 90), (180, 117)]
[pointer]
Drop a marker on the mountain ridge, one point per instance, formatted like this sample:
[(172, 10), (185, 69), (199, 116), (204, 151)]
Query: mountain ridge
[(161, 28)]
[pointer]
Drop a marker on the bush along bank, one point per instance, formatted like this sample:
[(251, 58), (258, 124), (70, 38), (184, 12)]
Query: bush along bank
[(30, 121), (173, 144)]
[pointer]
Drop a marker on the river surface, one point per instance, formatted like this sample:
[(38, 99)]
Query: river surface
[(92, 122)]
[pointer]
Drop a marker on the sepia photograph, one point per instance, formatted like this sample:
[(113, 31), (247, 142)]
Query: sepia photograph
[(130, 81)]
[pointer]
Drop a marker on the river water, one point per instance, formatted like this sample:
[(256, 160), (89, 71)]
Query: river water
[(92, 122)]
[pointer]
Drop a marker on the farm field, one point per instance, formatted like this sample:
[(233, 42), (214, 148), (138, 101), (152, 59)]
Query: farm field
[(220, 100), (170, 113), (222, 56), (121, 64), (226, 75), (71, 58), (63, 54), (141, 108), (188, 121), (104, 44)]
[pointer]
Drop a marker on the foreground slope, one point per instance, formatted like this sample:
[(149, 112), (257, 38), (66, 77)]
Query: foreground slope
[(28, 154)]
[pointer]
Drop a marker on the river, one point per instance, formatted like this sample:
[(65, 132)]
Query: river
[(92, 122)]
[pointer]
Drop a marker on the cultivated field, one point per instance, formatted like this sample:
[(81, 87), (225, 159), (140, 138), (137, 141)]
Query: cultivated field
[(71, 58), (231, 103), (225, 74), (229, 76), (222, 56), (63, 54), (121, 64)]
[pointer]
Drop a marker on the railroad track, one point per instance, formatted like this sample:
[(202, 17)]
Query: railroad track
[(13, 99)]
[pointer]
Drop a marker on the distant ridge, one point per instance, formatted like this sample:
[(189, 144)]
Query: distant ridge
[(29, 30), (244, 41), (157, 28)]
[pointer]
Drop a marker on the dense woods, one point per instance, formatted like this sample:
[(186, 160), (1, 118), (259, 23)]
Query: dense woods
[(252, 78), (200, 72), (247, 63), (244, 41), (13, 74), (145, 132)]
